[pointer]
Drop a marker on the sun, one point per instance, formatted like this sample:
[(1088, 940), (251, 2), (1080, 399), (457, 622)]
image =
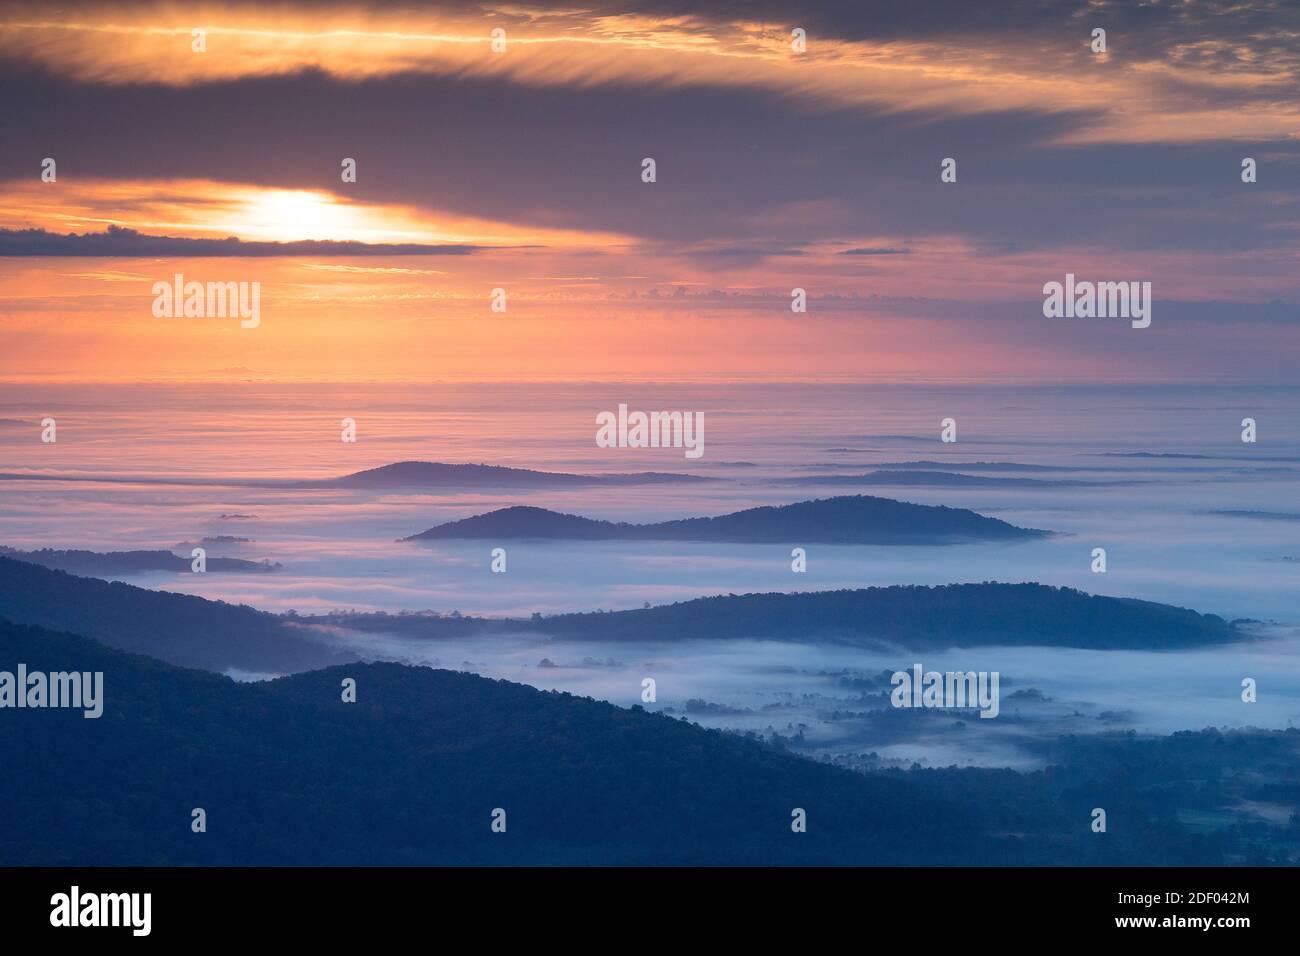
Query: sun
[(286, 215)]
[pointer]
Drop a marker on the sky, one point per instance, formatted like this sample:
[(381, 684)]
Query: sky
[(521, 168)]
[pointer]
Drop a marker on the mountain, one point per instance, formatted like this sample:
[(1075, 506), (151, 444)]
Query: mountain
[(850, 519), (179, 628), (98, 563), (411, 475), (911, 616), (943, 479), (411, 772), (918, 618), (1259, 515), (434, 474), (195, 632), (928, 464)]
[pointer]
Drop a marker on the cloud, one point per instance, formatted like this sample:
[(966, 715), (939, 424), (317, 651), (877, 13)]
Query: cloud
[(373, 270), (116, 241), (734, 167), (1173, 72), (775, 171)]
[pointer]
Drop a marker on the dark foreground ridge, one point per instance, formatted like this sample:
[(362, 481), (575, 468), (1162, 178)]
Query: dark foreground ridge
[(848, 519), (411, 773)]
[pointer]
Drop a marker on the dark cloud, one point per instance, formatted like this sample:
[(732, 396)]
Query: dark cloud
[(1150, 30), (1154, 26), (119, 242), (730, 161), (738, 168)]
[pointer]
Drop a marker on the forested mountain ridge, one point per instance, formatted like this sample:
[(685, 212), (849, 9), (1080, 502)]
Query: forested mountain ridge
[(178, 628), (915, 617), (412, 772), (847, 519)]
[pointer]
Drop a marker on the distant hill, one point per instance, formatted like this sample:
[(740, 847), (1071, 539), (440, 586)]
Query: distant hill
[(915, 617), (927, 464), (178, 628), (434, 474), (96, 563), (195, 632), (412, 475), (1259, 515), (852, 519), (911, 617), (942, 479)]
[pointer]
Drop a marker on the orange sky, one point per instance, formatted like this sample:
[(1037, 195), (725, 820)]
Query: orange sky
[(578, 305), (608, 277)]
